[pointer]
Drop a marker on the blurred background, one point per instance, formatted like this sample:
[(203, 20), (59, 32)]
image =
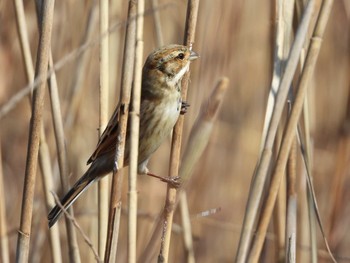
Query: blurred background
[(234, 39)]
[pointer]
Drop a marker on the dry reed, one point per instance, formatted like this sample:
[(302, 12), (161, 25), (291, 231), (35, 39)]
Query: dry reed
[(103, 184), (24, 232), (127, 76)]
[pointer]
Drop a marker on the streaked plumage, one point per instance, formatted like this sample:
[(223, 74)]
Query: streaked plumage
[(160, 108)]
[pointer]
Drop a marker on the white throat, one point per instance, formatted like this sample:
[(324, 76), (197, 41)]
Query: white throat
[(179, 75)]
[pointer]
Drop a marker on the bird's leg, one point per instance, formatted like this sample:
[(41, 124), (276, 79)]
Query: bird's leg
[(172, 181), (184, 107)]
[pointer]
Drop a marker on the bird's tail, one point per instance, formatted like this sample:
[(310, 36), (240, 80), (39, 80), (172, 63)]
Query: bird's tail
[(79, 187)]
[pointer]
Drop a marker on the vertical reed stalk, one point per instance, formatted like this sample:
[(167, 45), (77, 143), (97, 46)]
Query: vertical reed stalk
[(127, 76), (34, 132), (291, 224), (44, 156), (4, 243), (104, 91), (134, 135), (191, 21)]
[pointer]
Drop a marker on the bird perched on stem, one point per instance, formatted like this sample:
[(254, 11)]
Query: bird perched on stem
[(161, 106)]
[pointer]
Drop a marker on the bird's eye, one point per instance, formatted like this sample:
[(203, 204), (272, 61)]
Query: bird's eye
[(181, 56)]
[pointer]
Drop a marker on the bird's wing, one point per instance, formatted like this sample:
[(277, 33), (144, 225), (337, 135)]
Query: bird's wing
[(108, 139)]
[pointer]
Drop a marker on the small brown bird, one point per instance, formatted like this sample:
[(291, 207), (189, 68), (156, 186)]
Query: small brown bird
[(161, 105)]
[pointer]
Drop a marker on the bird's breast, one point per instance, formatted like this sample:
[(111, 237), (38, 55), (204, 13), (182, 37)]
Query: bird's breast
[(156, 122)]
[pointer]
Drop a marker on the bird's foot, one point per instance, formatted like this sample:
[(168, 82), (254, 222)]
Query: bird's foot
[(184, 107), (174, 182)]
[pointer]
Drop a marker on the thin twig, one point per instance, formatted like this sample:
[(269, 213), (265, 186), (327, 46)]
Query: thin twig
[(312, 197), (75, 223)]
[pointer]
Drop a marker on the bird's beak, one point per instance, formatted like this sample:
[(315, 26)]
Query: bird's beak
[(193, 55)]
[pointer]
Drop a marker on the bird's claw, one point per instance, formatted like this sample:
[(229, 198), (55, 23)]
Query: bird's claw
[(174, 182), (184, 107)]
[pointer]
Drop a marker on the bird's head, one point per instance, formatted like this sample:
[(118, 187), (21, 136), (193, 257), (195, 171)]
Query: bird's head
[(168, 64)]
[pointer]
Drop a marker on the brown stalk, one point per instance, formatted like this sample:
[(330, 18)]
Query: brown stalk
[(45, 164), (291, 224), (191, 20), (279, 215), (287, 140), (134, 135), (127, 76), (62, 164), (260, 175), (104, 91), (34, 132), (4, 242)]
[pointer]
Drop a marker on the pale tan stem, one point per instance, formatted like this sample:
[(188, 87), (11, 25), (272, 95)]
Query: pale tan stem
[(127, 76), (34, 133), (191, 21), (134, 134), (4, 242), (103, 184)]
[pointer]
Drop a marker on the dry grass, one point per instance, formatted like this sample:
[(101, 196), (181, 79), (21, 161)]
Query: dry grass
[(234, 39)]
